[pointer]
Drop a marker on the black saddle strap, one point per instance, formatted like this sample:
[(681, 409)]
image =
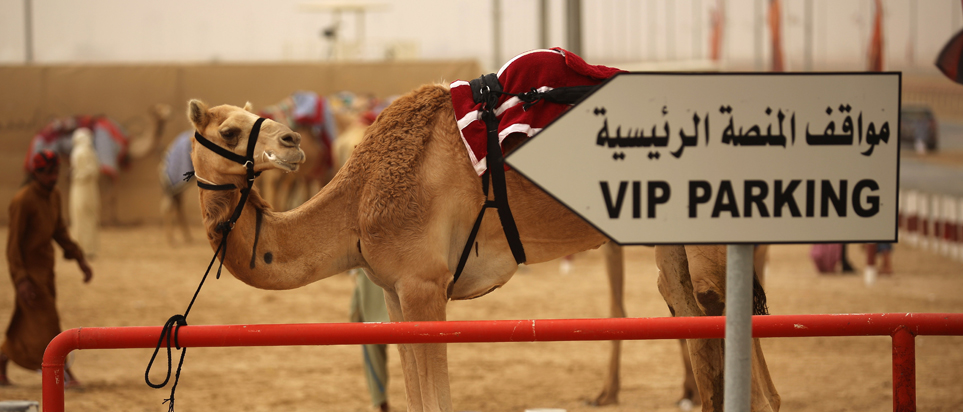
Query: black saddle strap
[(560, 95), (486, 89), (496, 169), (474, 230)]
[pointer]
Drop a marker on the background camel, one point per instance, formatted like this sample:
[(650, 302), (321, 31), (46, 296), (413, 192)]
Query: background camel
[(114, 147), (401, 208), (309, 115), (174, 172)]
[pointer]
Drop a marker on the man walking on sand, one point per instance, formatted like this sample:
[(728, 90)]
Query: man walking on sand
[(35, 221)]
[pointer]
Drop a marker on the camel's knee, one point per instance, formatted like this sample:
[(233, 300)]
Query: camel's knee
[(674, 281), (711, 299), (664, 290)]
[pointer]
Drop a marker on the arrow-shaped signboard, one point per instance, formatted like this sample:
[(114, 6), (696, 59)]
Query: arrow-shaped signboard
[(727, 158)]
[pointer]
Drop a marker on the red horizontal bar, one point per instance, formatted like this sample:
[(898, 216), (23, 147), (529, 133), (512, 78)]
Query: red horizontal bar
[(544, 330), (706, 327)]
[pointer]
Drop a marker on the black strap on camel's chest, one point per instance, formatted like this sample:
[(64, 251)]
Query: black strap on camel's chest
[(486, 89)]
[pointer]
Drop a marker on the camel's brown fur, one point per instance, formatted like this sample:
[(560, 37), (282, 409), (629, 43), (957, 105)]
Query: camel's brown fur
[(402, 209), (394, 198)]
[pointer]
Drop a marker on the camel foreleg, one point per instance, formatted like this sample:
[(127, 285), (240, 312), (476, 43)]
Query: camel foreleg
[(706, 355), (167, 217), (425, 365), (707, 270), (412, 387)]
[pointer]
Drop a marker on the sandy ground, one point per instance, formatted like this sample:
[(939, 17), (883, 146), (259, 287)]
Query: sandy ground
[(141, 280)]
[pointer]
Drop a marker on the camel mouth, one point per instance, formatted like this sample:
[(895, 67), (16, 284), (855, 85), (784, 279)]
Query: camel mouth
[(286, 165)]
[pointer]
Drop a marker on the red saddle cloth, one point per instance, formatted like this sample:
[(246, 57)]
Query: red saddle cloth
[(542, 70)]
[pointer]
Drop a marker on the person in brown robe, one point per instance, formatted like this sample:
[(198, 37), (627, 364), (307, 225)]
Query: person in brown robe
[(35, 221)]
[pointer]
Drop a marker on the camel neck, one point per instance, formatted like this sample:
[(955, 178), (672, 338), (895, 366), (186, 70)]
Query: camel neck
[(286, 250)]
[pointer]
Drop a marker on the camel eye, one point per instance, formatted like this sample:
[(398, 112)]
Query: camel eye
[(230, 133)]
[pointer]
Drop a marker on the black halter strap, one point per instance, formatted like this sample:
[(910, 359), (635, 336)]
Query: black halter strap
[(172, 327), (247, 161)]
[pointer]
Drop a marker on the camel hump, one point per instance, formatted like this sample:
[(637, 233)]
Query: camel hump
[(389, 159)]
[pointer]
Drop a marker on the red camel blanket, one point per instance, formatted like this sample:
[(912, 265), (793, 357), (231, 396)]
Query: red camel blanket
[(110, 141), (542, 70)]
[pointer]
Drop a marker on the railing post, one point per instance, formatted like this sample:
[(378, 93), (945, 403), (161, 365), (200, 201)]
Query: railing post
[(54, 358), (904, 370)]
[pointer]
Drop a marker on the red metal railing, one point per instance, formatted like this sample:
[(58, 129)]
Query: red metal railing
[(903, 327)]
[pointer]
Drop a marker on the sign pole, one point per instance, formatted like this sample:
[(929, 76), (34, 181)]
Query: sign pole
[(738, 358)]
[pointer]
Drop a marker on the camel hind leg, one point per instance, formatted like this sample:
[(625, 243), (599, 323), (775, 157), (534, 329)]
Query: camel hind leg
[(615, 269), (690, 390)]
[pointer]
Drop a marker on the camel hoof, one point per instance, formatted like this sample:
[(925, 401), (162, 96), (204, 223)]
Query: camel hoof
[(602, 400), (565, 267), (685, 405)]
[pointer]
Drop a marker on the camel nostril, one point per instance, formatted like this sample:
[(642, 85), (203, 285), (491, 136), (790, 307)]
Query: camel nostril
[(291, 140)]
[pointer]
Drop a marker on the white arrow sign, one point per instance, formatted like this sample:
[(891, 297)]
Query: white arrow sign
[(727, 158)]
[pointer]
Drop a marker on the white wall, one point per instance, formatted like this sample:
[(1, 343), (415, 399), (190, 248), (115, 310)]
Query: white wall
[(614, 31)]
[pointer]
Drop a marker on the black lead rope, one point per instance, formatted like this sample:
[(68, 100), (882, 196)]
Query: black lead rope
[(172, 327)]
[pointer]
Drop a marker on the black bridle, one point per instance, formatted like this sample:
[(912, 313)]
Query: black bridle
[(172, 327), (247, 161)]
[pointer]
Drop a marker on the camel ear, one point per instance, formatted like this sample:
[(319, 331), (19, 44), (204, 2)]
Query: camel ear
[(249, 107), (197, 113)]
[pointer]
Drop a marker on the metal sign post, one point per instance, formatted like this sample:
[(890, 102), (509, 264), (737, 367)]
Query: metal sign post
[(738, 361), (728, 158)]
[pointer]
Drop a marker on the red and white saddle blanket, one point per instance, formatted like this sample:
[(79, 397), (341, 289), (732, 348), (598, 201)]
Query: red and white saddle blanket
[(542, 70), (109, 138)]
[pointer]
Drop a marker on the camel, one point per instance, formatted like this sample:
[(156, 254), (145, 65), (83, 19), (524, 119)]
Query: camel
[(114, 147), (615, 271), (402, 208), (174, 174), (352, 128)]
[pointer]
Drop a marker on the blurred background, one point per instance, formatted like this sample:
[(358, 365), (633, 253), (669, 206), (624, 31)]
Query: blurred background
[(127, 68), (120, 59), (815, 34)]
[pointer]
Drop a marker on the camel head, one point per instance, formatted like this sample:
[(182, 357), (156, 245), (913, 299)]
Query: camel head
[(230, 128)]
